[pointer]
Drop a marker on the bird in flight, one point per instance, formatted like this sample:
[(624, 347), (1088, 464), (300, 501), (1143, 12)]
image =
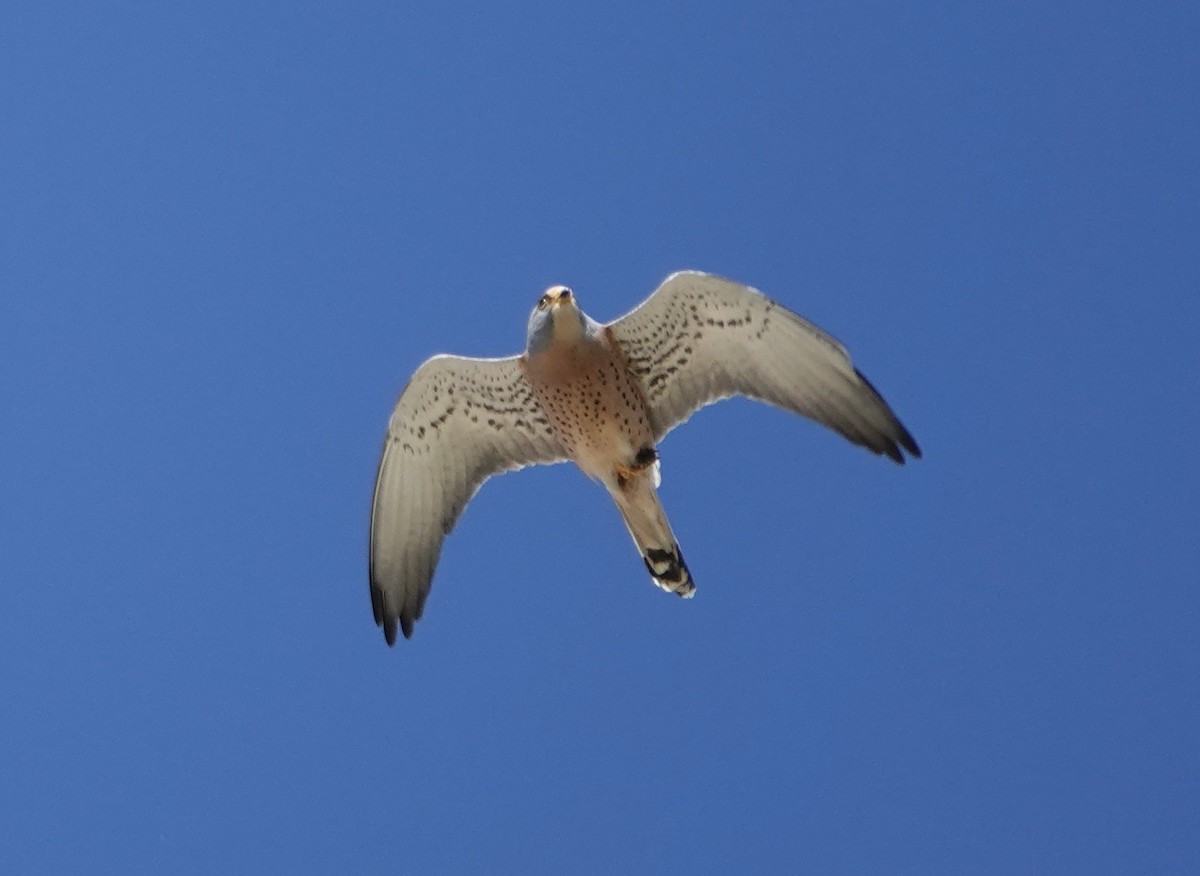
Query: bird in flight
[(602, 396)]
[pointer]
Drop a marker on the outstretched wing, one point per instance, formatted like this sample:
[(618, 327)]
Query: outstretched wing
[(699, 338), (458, 421)]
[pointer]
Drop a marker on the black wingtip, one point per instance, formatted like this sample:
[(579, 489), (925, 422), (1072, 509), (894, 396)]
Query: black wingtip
[(907, 442), (383, 614), (892, 449), (376, 603), (905, 437), (384, 617)]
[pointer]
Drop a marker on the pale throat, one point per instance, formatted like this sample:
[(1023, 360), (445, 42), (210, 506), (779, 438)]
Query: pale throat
[(568, 325)]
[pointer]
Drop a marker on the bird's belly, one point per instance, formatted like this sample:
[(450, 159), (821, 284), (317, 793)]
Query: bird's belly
[(600, 418)]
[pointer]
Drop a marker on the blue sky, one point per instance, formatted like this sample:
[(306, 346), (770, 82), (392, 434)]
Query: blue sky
[(230, 231)]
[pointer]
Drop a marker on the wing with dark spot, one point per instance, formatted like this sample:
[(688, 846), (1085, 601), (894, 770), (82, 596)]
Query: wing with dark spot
[(458, 422), (699, 338)]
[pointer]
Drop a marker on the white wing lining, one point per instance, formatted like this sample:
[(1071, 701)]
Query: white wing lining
[(699, 338), (458, 422)]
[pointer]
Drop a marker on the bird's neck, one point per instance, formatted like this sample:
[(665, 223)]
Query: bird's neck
[(569, 326)]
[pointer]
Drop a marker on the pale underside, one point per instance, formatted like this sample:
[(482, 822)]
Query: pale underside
[(698, 338)]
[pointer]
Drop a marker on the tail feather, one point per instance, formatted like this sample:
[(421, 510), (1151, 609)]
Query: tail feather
[(647, 523), (668, 570)]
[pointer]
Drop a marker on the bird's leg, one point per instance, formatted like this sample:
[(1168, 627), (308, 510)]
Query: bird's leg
[(644, 459)]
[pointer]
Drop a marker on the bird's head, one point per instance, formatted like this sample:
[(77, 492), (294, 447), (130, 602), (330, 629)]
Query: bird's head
[(555, 319)]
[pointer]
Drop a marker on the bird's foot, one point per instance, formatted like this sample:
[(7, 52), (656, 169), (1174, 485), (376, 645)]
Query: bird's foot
[(645, 458)]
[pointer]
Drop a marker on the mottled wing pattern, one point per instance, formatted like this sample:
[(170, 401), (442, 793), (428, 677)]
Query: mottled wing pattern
[(699, 338), (458, 421)]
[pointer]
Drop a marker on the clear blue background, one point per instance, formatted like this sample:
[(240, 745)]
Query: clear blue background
[(230, 231)]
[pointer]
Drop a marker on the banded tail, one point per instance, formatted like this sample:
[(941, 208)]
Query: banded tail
[(637, 500)]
